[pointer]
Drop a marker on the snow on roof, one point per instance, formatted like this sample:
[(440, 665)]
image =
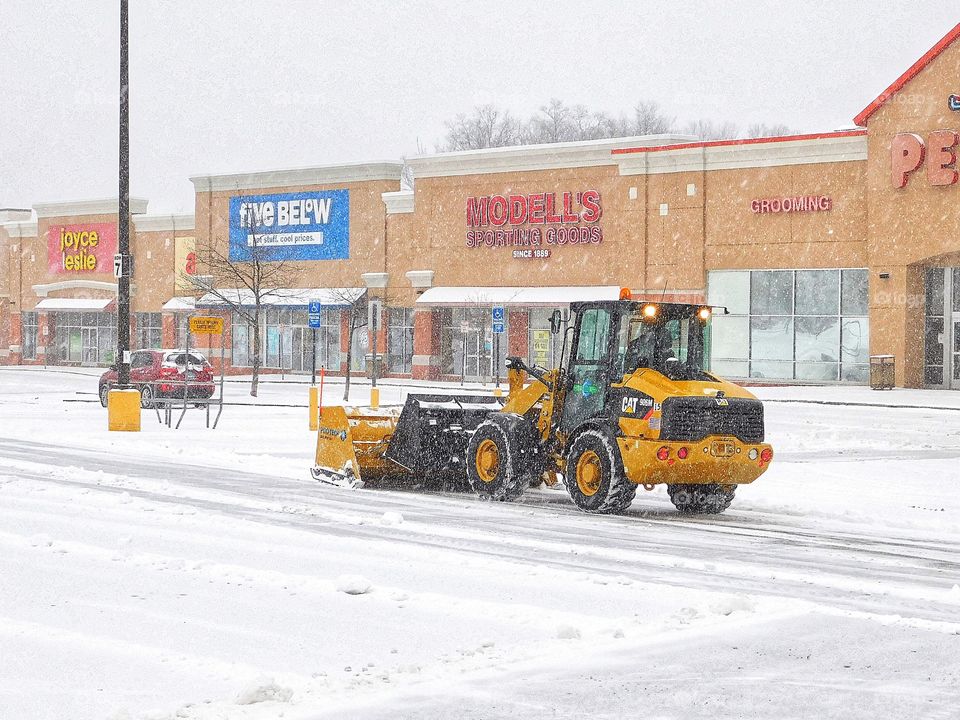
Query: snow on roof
[(526, 296), (288, 298), (97, 304), (180, 303)]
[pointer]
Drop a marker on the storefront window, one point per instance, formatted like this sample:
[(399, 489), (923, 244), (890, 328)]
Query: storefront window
[(182, 331), (400, 340), (785, 324), (88, 338), (771, 292), (149, 333), (545, 347), (29, 325), (817, 292), (467, 343), (287, 341)]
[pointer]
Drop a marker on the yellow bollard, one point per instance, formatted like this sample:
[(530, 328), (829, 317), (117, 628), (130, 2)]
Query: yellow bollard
[(314, 405), (497, 392), (123, 410), (374, 397)]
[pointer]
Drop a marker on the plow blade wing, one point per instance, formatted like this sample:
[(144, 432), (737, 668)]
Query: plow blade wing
[(351, 443), (433, 430)]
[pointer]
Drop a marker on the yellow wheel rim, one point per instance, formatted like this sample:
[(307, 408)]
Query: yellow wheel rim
[(487, 461), (589, 473)]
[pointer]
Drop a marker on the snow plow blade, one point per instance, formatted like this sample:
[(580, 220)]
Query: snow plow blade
[(351, 443), (426, 439), (433, 430)]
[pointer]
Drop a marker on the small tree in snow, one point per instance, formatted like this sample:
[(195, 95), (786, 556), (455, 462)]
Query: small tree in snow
[(246, 287)]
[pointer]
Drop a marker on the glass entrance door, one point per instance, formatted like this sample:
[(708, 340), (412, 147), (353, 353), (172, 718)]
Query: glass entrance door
[(942, 331), (955, 378), (952, 312), (90, 346)]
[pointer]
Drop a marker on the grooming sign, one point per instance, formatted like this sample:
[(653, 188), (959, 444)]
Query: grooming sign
[(313, 225)]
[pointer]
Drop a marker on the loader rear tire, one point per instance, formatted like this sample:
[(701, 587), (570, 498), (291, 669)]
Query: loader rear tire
[(594, 475), (710, 499), (495, 458)]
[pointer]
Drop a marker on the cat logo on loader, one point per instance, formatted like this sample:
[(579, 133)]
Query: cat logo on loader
[(634, 405)]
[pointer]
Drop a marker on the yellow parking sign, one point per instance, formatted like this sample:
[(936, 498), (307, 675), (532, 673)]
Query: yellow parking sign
[(206, 325)]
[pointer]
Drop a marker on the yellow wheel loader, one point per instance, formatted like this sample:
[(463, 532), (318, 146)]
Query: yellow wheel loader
[(633, 405)]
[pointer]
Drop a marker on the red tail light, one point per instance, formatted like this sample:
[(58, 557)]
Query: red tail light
[(663, 453), (168, 372), (766, 455), (682, 453)]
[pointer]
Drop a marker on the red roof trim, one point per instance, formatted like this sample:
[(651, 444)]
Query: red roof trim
[(897, 86), (745, 141)]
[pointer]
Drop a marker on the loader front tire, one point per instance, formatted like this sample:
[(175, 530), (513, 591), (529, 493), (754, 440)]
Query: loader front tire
[(495, 465), (710, 499), (594, 475)]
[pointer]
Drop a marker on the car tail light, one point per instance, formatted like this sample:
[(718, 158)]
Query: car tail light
[(663, 453), (682, 453), (766, 455), (168, 372)]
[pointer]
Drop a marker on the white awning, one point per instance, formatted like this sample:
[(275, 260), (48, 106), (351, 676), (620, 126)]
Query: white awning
[(180, 304), (292, 298), (560, 296), (94, 304)]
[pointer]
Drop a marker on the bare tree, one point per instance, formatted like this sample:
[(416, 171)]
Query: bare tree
[(758, 130), (708, 130), (245, 286), (488, 126), (355, 302)]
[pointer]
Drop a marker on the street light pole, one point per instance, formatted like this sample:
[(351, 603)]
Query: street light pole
[(123, 213)]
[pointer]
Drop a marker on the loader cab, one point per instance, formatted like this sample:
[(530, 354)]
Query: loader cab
[(614, 340)]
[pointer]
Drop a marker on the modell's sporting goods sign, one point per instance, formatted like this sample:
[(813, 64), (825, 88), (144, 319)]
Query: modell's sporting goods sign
[(533, 225)]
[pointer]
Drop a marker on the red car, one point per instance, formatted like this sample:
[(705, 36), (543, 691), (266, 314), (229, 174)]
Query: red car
[(164, 373)]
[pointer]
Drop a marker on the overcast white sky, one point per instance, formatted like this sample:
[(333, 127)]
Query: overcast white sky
[(223, 86)]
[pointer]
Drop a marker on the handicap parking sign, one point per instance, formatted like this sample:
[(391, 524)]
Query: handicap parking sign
[(313, 320), (498, 314), (314, 307)]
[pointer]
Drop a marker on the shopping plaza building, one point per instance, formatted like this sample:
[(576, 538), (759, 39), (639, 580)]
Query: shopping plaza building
[(825, 249)]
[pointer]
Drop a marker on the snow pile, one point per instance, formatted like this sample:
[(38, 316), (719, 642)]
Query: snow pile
[(263, 690), (568, 632), (354, 584), (731, 604), (391, 519)]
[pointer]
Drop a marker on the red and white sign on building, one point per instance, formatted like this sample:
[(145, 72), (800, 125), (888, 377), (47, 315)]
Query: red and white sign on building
[(532, 224)]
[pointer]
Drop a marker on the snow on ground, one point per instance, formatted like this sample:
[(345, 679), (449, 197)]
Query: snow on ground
[(201, 574)]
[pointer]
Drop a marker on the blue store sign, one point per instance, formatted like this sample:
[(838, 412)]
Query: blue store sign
[(311, 225)]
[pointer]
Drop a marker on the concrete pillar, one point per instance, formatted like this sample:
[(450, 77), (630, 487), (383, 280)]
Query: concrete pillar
[(896, 321), (518, 327), (426, 344)]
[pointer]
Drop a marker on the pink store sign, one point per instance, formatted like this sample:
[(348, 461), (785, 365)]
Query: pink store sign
[(84, 249)]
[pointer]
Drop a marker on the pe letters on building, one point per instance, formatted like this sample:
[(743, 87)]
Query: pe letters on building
[(311, 225)]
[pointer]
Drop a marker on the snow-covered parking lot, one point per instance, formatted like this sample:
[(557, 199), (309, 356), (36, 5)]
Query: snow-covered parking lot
[(202, 574)]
